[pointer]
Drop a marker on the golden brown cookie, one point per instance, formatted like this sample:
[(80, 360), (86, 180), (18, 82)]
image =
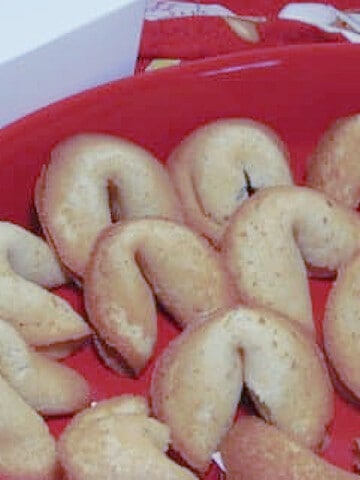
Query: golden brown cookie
[(334, 165), (198, 381), (137, 261), (219, 165), (91, 180), (117, 439), (253, 450), (27, 267), (272, 237)]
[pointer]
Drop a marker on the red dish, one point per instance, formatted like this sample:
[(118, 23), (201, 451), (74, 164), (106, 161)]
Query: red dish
[(297, 90)]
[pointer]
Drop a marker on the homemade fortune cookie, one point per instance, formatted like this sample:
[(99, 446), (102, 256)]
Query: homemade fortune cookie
[(27, 450), (334, 166), (198, 380), (27, 265), (134, 261), (91, 180), (341, 326), (49, 387), (271, 237), (253, 450), (219, 165), (118, 440)]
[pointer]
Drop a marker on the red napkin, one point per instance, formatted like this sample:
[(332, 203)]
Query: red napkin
[(190, 38)]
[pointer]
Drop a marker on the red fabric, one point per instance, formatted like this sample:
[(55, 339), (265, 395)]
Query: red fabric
[(285, 32), (272, 7), (199, 37), (190, 38)]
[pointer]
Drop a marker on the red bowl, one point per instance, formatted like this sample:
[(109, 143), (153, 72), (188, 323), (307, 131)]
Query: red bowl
[(297, 90)]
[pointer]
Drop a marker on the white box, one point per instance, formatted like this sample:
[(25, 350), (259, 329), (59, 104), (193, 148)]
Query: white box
[(51, 50)]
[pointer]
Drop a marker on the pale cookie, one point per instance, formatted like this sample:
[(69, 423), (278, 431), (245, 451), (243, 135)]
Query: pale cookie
[(198, 381), (273, 235), (334, 166), (356, 450), (49, 387), (92, 180), (27, 267), (253, 450), (219, 165), (341, 326), (134, 262), (27, 450), (118, 440)]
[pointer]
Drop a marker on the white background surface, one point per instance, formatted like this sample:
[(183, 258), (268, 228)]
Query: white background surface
[(27, 24), (51, 50)]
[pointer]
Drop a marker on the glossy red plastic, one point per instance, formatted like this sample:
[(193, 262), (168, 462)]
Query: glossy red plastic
[(298, 91)]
